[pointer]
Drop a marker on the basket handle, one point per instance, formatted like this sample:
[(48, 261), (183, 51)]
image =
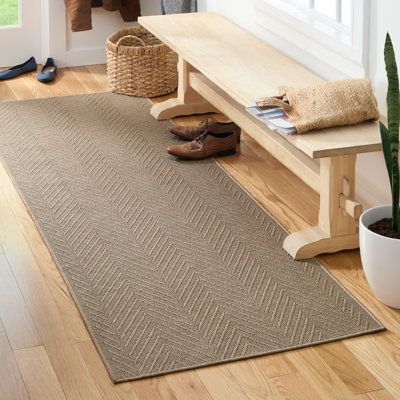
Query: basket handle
[(121, 40), (273, 101)]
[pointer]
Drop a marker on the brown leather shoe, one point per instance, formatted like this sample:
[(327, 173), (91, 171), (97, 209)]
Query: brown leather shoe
[(192, 132), (206, 145)]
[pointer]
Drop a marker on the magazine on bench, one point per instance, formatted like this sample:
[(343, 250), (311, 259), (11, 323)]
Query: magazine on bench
[(274, 117)]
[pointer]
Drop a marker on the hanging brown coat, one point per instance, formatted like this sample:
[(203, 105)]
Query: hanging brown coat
[(80, 11)]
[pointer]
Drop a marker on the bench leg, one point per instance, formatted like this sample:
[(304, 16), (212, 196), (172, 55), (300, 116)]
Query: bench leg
[(188, 102), (338, 216)]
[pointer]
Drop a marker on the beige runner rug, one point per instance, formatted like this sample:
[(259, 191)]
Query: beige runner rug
[(171, 263)]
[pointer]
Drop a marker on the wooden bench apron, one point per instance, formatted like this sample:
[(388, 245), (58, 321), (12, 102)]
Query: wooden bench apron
[(223, 68)]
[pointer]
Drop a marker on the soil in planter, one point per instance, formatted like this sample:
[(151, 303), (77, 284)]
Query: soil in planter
[(383, 227)]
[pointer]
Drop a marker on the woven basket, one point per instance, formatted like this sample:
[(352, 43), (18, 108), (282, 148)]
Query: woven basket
[(138, 64)]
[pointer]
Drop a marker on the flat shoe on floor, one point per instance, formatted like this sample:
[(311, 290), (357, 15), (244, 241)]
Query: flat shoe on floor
[(27, 66), (48, 71)]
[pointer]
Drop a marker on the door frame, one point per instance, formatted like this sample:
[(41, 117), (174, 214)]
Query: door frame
[(54, 31)]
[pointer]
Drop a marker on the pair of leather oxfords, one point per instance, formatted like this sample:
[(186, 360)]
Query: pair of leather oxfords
[(210, 138)]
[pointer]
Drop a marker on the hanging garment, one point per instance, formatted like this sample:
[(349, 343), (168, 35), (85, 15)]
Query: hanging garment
[(80, 11), (178, 6)]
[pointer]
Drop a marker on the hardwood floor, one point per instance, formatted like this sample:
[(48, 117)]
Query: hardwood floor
[(47, 353)]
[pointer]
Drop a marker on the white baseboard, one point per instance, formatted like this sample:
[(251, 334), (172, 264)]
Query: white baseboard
[(91, 56)]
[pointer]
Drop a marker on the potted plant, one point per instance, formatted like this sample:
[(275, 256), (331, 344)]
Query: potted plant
[(380, 226)]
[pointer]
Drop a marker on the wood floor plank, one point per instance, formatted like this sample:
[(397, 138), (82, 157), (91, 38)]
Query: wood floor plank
[(22, 88), (252, 381), (75, 326), (69, 83), (85, 77), (295, 387), (380, 354), (38, 374), (6, 94), (41, 90), (156, 388), (109, 391), (320, 376), (99, 73), (63, 353), (12, 386), (28, 87), (14, 313), (348, 368), (378, 395), (221, 384), (275, 365), (186, 385)]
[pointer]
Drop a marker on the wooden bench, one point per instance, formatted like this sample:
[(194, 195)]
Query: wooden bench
[(223, 68)]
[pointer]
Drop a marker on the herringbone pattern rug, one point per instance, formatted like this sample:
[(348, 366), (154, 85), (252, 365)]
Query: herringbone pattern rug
[(171, 263)]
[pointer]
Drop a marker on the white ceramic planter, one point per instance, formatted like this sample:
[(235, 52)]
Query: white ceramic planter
[(380, 257)]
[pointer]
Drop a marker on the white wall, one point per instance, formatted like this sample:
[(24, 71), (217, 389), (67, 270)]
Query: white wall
[(383, 20), (372, 180)]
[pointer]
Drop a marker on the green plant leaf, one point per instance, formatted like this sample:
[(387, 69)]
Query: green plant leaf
[(386, 150), (392, 150)]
